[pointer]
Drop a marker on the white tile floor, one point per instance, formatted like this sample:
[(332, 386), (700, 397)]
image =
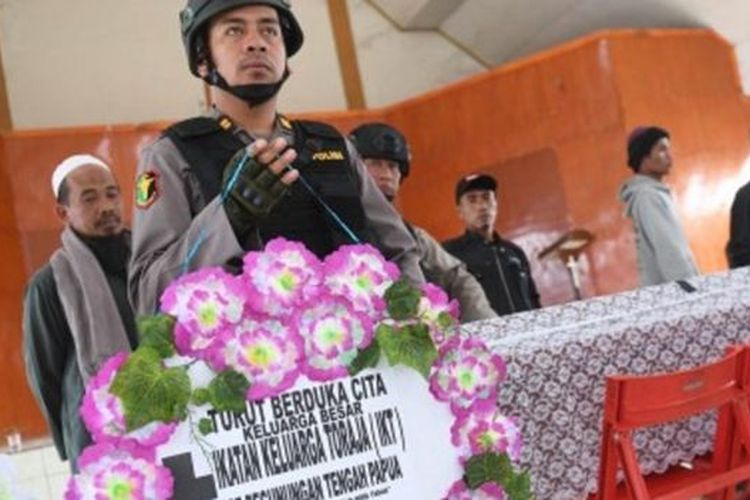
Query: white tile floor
[(41, 473)]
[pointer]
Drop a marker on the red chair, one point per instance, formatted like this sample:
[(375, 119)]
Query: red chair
[(633, 402)]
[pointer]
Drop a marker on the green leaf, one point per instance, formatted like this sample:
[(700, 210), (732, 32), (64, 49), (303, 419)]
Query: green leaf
[(486, 468), (409, 345), (149, 391), (497, 468), (205, 426), (366, 358), (403, 300), (201, 396), (156, 331), (228, 391), (519, 486)]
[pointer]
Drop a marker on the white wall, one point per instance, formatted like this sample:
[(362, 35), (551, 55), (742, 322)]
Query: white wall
[(81, 62)]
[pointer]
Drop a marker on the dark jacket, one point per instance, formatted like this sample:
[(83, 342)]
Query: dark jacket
[(738, 248), (501, 267), (50, 356)]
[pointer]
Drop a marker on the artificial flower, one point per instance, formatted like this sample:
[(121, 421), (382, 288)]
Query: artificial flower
[(361, 275), (207, 304), (268, 353), (465, 373), (332, 332), (122, 472), (282, 278)]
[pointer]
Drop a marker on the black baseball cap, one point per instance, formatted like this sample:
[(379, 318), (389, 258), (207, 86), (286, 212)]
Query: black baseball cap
[(474, 182)]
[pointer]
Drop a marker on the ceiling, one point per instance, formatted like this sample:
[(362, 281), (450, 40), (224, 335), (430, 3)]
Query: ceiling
[(498, 31)]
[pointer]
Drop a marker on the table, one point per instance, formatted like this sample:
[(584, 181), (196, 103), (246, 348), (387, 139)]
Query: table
[(558, 358)]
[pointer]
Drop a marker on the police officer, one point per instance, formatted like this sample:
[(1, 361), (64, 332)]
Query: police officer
[(212, 187), (500, 266), (385, 153)]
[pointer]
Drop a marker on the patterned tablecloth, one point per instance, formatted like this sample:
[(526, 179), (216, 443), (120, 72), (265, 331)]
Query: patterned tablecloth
[(558, 357)]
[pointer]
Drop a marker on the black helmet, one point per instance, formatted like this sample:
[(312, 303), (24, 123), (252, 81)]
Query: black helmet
[(378, 140), (196, 15)]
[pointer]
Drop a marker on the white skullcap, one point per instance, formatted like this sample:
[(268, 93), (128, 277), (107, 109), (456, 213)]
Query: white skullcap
[(70, 164)]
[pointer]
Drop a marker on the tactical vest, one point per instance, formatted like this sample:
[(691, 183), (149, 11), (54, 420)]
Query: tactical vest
[(322, 159)]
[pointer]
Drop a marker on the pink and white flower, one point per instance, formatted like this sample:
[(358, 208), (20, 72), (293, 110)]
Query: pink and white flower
[(439, 312), (104, 415), (488, 491), (109, 472), (485, 430), (284, 277), (333, 332), (466, 373), (362, 275), (268, 353), (207, 304)]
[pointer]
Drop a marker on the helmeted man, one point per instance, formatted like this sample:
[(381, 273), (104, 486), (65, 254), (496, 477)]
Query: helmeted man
[(216, 186), (662, 247), (76, 311), (500, 266), (386, 155)]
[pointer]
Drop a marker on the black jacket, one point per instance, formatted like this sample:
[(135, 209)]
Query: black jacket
[(738, 248), (501, 267)]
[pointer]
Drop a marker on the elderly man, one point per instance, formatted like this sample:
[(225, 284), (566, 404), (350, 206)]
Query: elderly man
[(76, 313), (216, 186), (386, 155)]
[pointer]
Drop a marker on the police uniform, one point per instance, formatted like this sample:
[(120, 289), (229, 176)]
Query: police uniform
[(179, 221)]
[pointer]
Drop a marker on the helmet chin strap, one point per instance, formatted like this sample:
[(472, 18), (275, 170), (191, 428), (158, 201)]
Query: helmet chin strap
[(253, 94)]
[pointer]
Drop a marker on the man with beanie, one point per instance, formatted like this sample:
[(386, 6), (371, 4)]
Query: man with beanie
[(661, 245), (214, 187), (500, 266), (386, 155), (76, 312)]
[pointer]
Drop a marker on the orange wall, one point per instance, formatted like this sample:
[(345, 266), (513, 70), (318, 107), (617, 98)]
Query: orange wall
[(552, 129)]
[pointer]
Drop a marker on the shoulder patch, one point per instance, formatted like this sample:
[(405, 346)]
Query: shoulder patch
[(146, 189)]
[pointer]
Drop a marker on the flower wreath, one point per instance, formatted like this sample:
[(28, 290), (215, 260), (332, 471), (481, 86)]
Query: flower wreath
[(290, 315)]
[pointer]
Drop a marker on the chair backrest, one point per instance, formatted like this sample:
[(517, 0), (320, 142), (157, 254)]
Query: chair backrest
[(641, 401)]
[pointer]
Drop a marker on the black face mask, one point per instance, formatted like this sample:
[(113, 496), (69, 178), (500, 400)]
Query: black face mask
[(254, 94)]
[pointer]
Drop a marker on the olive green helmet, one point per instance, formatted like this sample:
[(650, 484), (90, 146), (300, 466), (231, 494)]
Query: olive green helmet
[(196, 15)]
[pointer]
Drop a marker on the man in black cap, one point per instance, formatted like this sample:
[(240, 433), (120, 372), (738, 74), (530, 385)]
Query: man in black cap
[(500, 266), (385, 153), (663, 251), (214, 187)]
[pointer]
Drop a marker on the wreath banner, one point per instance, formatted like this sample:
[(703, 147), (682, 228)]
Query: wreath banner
[(378, 434), (304, 379)]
